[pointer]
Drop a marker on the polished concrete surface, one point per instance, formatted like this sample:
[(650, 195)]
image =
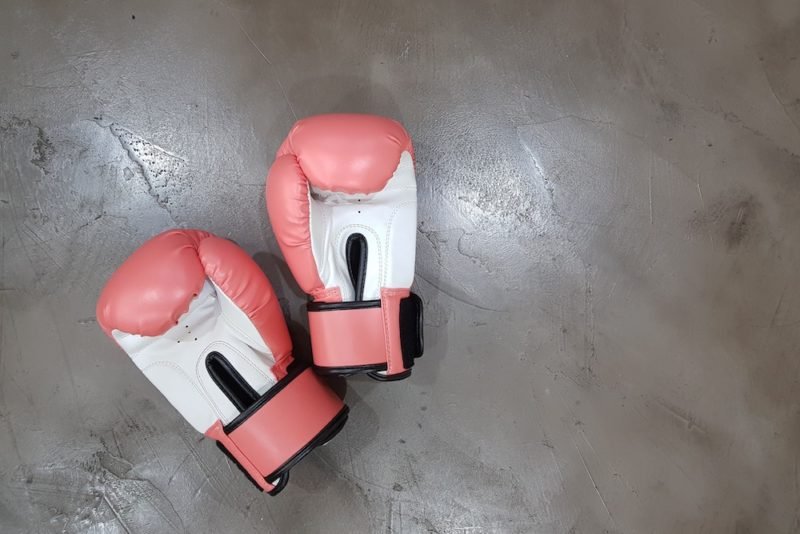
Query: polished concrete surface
[(608, 251)]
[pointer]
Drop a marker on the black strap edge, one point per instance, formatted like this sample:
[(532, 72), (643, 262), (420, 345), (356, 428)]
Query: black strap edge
[(323, 436), (402, 375), (412, 342), (230, 456), (312, 307), (279, 485), (349, 369)]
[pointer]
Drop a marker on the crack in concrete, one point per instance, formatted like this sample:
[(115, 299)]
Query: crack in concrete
[(456, 297)]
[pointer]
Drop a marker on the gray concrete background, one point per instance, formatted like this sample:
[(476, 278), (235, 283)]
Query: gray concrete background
[(608, 248)]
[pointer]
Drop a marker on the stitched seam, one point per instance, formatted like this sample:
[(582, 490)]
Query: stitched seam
[(247, 339), (200, 390), (385, 293), (324, 216), (386, 336), (325, 293), (405, 188), (338, 238), (388, 232), (237, 351)]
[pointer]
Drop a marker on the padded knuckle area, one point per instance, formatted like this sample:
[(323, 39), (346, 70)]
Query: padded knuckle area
[(348, 153), (154, 286)]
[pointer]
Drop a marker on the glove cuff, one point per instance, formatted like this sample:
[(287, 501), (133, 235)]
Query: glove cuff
[(378, 337), (290, 420)]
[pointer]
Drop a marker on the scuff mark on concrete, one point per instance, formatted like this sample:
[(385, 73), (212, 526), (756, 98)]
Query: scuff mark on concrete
[(43, 148), (161, 169), (71, 497), (683, 417), (43, 151), (590, 350), (734, 217)]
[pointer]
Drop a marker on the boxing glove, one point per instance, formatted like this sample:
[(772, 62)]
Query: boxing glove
[(342, 200), (200, 320)]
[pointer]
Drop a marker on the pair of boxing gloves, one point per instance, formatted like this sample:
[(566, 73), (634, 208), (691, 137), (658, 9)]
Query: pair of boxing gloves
[(201, 321)]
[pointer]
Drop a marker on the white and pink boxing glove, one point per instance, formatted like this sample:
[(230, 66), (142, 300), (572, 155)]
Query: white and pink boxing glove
[(200, 320), (342, 200)]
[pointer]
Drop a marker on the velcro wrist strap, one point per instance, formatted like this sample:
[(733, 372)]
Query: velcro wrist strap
[(297, 415), (374, 336)]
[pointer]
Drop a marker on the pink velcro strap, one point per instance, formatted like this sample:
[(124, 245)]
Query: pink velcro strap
[(282, 426), (347, 338), (381, 337), (217, 433), (390, 302)]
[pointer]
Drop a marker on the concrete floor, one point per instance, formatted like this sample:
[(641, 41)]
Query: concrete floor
[(608, 248)]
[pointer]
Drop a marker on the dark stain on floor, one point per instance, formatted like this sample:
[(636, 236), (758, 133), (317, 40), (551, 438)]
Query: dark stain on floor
[(733, 218)]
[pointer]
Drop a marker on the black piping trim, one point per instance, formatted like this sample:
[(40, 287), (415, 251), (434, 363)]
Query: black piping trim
[(281, 483), (390, 378), (356, 256), (294, 371), (324, 436), (349, 370), (334, 306), (277, 486)]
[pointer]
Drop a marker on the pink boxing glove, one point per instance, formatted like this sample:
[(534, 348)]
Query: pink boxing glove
[(342, 200), (200, 320)]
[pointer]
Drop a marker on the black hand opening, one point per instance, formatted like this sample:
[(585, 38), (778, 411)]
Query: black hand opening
[(356, 255), (228, 379)]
